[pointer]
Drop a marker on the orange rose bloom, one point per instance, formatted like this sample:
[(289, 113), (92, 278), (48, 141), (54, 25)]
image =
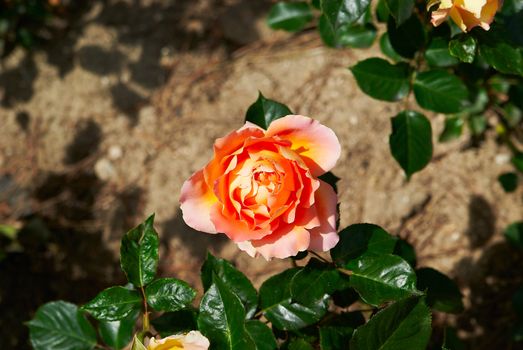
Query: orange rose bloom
[(467, 14), (261, 188)]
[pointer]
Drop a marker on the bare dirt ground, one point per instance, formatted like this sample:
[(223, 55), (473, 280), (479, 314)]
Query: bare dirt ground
[(101, 128)]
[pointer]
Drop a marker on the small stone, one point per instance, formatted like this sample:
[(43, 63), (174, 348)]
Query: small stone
[(104, 169), (115, 152), (502, 158)]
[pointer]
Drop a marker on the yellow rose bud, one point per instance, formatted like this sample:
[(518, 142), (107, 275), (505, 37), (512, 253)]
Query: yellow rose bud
[(193, 340), (467, 14)]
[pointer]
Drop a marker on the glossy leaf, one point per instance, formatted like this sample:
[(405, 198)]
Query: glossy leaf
[(279, 308), (406, 251), (496, 48), (408, 38), (440, 91), (61, 326), (442, 293), (118, 334), (139, 253), (261, 335), (343, 12), (233, 278), (169, 294), (463, 47), (264, 111), (181, 321), (438, 54), (335, 337), (387, 49), (313, 282), (452, 130), (404, 325), (222, 319), (113, 304), (401, 10), (360, 239), (382, 11), (514, 234), (357, 36), (508, 181), (381, 278), (381, 80), (289, 16), (411, 141)]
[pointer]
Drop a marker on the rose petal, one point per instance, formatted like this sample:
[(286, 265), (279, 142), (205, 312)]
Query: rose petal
[(283, 243), (439, 16), (196, 201), (236, 230), (315, 143), (325, 237)]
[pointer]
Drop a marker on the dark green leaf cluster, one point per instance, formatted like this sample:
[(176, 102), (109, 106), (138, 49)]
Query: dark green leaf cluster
[(467, 76), (304, 307)]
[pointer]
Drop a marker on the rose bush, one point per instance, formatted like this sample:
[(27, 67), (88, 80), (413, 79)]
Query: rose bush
[(467, 14), (262, 190), (193, 340)]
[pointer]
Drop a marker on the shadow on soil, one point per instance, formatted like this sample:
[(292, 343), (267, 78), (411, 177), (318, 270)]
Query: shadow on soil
[(159, 29)]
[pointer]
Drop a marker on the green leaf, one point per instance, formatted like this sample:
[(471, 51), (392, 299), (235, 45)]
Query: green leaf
[(509, 181), (234, 279), (407, 38), (316, 4), (463, 47), (283, 312), (387, 49), (360, 239), (411, 141), (60, 326), (442, 293), (289, 16), (335, 336), (331, 179), (139, 253), (137, 344), (381, 278), (477, 124), (514, 234), (496, 48), (452, 130), (406, 251), (313, 282), (181, 321), (299, 344), (517, 161), (343, 12), (438, 54), (347, 35), (381, 80), (512, 114), (401, 10), (264, 111), (261, 335), (113, 304), (117, 334), (222, 317), (169, 294), (404, 325), (440, 91), (382, 11)]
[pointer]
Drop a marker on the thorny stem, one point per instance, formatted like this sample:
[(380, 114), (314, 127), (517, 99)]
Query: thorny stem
[(320, 257), (345, 271)]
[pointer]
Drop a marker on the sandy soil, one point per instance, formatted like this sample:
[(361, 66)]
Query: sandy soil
[(101, 129)]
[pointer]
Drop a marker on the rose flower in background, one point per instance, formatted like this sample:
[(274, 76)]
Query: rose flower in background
[(467, 14), (193, 340), (262, 190)]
